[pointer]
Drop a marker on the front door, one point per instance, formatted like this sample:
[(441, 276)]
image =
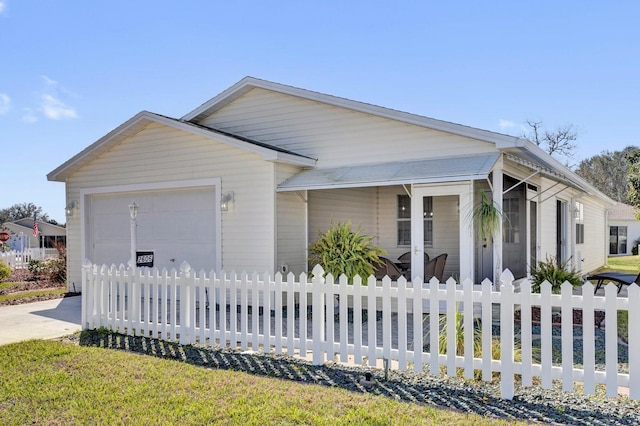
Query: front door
[(420, 210)]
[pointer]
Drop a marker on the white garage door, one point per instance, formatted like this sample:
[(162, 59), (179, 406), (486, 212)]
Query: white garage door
[(178, 225)]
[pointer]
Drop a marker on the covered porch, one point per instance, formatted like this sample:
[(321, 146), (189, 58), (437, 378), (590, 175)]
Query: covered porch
[(426, 208)]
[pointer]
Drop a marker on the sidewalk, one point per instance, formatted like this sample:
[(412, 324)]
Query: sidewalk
[(39, 320)]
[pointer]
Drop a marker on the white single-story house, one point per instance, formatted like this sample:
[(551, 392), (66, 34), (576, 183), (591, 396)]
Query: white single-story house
[(245, 182), (624, 229), (22, 238)]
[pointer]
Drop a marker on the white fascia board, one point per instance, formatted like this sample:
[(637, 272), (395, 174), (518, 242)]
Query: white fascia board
[(567, 173), (58, 173), (248, 83), (367, 184)]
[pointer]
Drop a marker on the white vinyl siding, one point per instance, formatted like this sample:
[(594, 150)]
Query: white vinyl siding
[(342, 205), (335, 136), (290, 225), (593, 253), (159, 154), (633, 232)]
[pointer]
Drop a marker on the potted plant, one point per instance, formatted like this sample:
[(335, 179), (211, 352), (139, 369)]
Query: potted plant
[(487, 217), (340, 250), (555, 272)]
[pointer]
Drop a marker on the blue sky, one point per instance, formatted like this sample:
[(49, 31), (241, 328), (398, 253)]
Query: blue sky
[(70, 71)]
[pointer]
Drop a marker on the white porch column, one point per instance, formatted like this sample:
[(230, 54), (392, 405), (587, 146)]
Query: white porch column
[(497, 238), (467, 246)]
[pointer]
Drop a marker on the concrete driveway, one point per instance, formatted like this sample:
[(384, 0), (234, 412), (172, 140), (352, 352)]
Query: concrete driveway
[(39, 320)]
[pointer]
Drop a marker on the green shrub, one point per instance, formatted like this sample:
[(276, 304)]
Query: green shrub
[(5, 271), (56, 269), (555, 272), (37, 268), (342, 251)]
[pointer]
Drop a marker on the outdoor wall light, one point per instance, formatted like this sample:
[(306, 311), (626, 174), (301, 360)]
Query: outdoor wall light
[(133, 210), (71, 208), (226, 200)]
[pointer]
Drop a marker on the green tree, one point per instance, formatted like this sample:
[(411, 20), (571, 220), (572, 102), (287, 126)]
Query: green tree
[(608, 172), (20, 211), (633, 177)]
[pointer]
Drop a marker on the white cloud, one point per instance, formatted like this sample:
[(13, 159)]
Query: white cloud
[(52, 104), (5, 103), (506, 124), (55, 109), (3, 5), (29, 116)]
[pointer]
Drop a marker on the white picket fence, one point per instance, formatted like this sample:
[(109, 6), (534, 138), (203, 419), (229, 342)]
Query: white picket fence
[(17, 259), (371, 323)]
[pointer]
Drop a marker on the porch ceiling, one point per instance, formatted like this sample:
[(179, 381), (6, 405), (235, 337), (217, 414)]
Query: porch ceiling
[(397, 173)]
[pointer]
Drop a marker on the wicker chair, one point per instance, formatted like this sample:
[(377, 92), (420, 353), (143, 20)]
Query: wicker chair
[(405, 263), (435, 267), (387, 268)]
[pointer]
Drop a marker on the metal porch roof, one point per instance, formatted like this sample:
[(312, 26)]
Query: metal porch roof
[(396, 173)]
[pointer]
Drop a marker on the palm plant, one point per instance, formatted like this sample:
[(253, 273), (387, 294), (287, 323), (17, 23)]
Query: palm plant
[(340, 250), (555, 272)]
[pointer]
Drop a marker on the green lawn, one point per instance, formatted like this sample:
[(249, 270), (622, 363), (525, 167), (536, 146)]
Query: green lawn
[(48, 382), (629, 264)]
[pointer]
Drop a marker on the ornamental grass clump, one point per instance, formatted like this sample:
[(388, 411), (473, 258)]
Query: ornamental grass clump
[(555, 272), (342, 251)]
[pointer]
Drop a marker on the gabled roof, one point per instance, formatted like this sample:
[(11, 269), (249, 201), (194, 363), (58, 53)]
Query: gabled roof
[(142, 119), (623, 211), (528, 151), (248, 83), (26, 225)]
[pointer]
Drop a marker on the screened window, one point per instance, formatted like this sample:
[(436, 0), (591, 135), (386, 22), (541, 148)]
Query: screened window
[(404, 220), (511, 223)]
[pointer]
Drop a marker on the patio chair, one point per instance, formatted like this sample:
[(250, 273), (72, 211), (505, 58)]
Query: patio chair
[(387, 268), (435, 267), (620, 278), (405, 263)]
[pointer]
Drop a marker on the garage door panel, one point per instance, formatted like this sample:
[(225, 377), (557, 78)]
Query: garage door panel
[(178, 225)]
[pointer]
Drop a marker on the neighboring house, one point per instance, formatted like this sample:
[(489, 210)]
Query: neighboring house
[(288, 161), (624, 229), (22, 238)]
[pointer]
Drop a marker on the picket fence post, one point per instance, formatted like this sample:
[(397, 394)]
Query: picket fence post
[(634, 342), (87, 276), (318, 314), (506, 335)]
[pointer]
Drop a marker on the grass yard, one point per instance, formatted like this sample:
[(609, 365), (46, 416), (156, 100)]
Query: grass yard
[(630, 264), (49, 382)]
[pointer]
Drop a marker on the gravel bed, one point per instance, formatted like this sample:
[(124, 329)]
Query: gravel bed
[(533, 403)]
